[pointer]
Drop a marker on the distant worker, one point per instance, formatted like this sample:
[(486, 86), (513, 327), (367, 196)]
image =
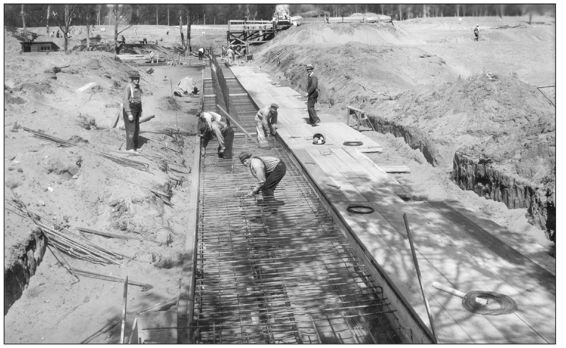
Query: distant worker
[(230, 53), (327, 18), (223, 52), (312, 92), (212, 124), (132, 110), (123, 41), (477, 33), (269, 171), (200, 53), (266, 118)]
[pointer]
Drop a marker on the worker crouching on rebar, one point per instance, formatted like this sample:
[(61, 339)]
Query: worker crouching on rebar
[(268, 171), (212, 124), (132, 110), (266, 119)]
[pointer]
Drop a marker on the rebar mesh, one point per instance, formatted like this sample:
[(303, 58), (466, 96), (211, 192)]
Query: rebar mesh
[(278, 274)]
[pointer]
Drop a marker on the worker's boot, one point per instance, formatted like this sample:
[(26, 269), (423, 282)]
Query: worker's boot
[(270, 200)]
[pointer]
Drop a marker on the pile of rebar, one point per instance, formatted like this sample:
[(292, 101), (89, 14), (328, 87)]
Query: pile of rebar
[(66, 241)]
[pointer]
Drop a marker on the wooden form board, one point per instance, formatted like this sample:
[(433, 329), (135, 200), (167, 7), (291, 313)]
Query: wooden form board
[(451, 249)]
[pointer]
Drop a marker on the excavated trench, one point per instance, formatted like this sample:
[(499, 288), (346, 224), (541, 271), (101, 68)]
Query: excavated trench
[(483, 178), (281, 273)]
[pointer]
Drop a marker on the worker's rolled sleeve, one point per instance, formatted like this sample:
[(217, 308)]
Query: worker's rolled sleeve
[(258, 170)]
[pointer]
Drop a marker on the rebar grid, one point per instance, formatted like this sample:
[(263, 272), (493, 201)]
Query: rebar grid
[(278, 274)]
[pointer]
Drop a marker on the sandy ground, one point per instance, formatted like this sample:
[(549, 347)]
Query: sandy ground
[(76, 186), (72, 187)]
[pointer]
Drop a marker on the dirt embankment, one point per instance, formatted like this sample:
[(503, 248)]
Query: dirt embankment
[(414, 86), (84, 179)]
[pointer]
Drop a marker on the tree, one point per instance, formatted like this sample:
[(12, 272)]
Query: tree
[(121, 15), (47, 19), (88, 15), (64, 15), (23, 14)]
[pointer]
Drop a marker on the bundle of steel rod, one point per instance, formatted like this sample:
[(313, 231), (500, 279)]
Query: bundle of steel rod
[(66, 241), (48, 137), (117, 159), (125, 161)]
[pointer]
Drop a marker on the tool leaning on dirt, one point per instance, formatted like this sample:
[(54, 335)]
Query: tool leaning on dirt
[(212, 124)]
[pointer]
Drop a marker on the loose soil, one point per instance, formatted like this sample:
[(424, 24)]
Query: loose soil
[(427, 74)]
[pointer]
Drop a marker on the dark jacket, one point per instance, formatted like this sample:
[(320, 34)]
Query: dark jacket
[(312, 86)]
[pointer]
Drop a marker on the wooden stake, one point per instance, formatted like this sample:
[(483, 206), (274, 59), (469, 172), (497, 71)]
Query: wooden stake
[(419, 276), (124, 311)]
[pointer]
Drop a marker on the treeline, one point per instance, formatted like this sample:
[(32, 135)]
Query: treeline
[(35, 15)]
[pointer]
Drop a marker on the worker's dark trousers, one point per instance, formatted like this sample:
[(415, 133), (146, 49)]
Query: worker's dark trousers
[(313, 118), (272, 180), (132, 128), (228, 134)]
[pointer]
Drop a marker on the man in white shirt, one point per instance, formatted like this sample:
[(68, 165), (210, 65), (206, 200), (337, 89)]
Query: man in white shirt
[(266, 118), (212, 124)]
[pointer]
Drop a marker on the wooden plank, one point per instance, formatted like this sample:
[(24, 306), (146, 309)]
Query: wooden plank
[(185, 305), (395, 168), (326, 184), (328, 166), (158, 327)]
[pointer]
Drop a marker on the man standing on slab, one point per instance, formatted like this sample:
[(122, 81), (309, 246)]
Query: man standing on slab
[(312, 90)]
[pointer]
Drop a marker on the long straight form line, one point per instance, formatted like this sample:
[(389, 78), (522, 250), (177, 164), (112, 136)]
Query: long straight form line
[(306, 286), (298, 303), (322, 319), (276, 260), (247, 262), (269, 246), (254, 294)]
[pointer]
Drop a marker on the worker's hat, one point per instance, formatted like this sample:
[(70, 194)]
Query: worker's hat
[(310, 67), (274, 106), (244, 156), (133, 74), (318, 139)]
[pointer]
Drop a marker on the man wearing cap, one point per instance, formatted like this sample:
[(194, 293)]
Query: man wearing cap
[(312, 90), (132, 110), (266, 119), (212, 124), (268, 171)]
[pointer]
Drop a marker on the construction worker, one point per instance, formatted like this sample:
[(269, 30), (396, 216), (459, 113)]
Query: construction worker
[(200, 53), (268, 171), (132, 110), (265, 119), (312, 91), (212, 124), (230, 53), (477, 33)]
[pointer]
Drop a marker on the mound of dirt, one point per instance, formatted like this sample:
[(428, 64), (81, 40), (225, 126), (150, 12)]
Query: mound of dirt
[(426, 81), (64, 162)]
